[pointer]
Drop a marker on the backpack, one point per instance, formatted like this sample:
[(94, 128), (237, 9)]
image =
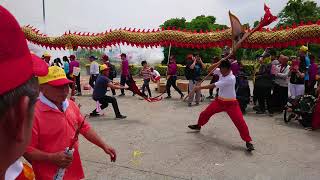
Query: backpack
[(189, 73), (113, 72)]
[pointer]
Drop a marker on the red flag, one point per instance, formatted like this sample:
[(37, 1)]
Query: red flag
[(267, 19)]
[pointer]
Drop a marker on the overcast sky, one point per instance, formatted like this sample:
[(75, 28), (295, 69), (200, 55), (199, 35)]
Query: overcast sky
[(99, 15)]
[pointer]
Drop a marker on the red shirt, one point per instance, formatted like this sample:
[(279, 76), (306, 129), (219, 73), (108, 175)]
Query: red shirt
[(52, 132), (146, 73)]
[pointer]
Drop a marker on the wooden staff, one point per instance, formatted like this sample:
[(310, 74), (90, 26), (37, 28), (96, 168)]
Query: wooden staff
[(169, 54)]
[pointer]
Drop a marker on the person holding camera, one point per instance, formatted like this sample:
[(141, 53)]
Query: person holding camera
[(193, 74)]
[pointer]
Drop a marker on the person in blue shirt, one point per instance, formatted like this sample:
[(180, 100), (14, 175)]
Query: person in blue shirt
[(66, 65), (193, 69), (100, 90)]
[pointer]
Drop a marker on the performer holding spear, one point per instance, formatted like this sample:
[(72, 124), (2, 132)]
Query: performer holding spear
[(226, 101)]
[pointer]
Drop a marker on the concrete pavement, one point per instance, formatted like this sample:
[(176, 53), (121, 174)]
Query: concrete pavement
[(169, 150)]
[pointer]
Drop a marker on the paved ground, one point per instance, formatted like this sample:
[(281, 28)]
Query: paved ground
[(170, 151)]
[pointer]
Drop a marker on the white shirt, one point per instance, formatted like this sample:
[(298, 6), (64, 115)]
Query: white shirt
[(155, 73), (226, 85), (94, 68), (14, 170), (44, 100), (282, 75)]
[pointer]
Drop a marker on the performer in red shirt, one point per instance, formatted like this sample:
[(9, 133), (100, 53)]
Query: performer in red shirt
[(225, 102), (56, 120)]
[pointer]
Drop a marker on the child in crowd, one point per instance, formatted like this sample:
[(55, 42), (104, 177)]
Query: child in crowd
[(146, 74), (155, 75)]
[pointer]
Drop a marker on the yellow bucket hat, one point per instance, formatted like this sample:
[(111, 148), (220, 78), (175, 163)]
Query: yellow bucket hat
[(304, 48), (55, 77), (46, 54)]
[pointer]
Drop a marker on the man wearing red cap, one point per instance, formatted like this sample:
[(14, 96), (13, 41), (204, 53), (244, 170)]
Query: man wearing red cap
[(18, 94), (55, 122), (75, 64)]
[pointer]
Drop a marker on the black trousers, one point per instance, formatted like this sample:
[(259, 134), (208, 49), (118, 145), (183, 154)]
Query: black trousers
[(255, 97), (78, 84), (172, 82), (92, 80), (123, 81), (264, 97), (243, 102), (105, 100), (309, 87), (112, 90), (279, 97), (146, 85)]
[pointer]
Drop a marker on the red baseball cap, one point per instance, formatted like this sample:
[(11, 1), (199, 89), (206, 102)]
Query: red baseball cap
[(72, 56), (17, 65), (105, 57)]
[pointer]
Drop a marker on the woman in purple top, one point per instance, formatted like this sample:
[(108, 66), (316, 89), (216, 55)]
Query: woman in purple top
[(172, 77), (74, 63), (125, 74)]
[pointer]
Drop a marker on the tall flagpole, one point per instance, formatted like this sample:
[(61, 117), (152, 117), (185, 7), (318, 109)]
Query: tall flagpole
[(44, 15)]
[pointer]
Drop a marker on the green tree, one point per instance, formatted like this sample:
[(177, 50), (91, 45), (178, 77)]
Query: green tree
[(256, 23), (288, 52), (296, 11), (175, 22), (85, 53), (199, 23)]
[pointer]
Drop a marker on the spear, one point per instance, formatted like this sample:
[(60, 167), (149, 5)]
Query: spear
[(266, 20), (69, 150)]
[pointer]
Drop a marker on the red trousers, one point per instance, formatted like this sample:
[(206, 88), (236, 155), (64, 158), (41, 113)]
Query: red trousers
[(232, 108)]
